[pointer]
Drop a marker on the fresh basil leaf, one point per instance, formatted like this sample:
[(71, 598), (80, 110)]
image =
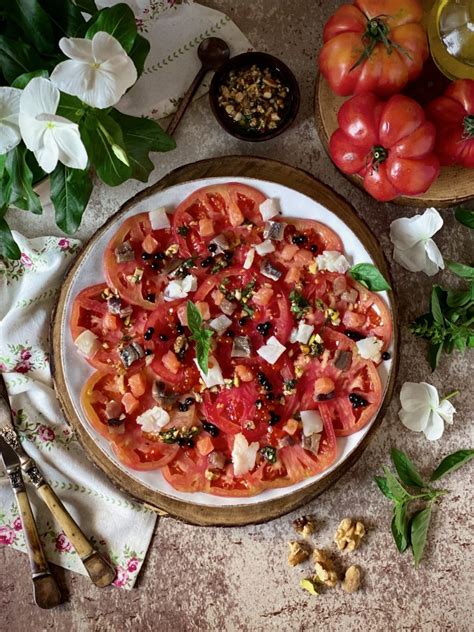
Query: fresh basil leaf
[(194, 318), (21, 178), (461, 270), (397, 490), (203, 346), (451, 463), (139, 53), (419, 532), (99, 133), (70, 193), (370, 276), (35, 24), (382, 485), (23, 80), (465, 216), (17, 58), (406, 471), (437, 294), (400, 527), (118, 21), (461, 298), (8, 246), (141, 136), (66, 17), (434, 354)]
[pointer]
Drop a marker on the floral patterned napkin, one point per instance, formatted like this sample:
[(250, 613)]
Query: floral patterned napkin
[(119, 527), (175, 30)]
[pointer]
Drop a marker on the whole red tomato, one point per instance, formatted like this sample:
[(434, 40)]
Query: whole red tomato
[(453, 116), (389, 143), (373, 46)]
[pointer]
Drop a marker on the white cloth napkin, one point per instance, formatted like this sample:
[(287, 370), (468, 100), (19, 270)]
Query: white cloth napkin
[(175, 32), (119, 527)]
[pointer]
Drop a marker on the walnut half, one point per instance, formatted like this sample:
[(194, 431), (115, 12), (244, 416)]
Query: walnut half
[(351, 581), (349, 534), (304, 525), (324, 568), (298, 552)]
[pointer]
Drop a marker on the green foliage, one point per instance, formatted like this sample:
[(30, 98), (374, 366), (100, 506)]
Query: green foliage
[(370, 276), (200, 334), (70, 192)]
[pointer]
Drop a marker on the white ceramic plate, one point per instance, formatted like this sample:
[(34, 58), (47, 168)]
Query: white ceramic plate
[(76, 371)]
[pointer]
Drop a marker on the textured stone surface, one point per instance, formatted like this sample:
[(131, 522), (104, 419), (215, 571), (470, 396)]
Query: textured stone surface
[(238, 579)]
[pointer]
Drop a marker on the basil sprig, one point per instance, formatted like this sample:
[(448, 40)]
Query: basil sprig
[(465, 216), (201, 336), (369, 276), (410, 528)]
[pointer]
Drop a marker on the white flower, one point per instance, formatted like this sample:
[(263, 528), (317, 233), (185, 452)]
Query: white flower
[(48, 136), (414, 248), (422, 411), (9, 111), (98, 71)]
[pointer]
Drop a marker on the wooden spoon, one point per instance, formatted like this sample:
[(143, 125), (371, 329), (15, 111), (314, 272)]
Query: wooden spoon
[(213, 52)]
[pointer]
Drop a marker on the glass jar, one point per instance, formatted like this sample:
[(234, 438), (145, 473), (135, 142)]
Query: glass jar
[(451, 37)]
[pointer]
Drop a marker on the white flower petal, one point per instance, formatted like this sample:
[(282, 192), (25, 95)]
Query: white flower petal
[(71, 150), (413, 259), (9, 137), (32, 131), (435, 258), (74, 77), (47, 153), (39, 97), (77, 48), (407, 231), (446, 410), (106, 46), (435, 427), (416, 420), (414, 396), (9, 111)]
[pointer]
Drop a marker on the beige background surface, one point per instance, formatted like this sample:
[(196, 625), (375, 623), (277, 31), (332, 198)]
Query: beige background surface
[(238, 579)]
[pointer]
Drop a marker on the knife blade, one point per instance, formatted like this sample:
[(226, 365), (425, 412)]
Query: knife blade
[(45, 590)]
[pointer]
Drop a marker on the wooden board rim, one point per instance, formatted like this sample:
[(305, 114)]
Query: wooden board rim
[(226, 166)]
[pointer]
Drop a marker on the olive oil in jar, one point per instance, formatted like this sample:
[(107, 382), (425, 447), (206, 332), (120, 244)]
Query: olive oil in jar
[(451, 37)]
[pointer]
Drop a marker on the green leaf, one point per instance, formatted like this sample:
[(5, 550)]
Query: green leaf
[(434, 354), (35, 24), (21, 181), (139, 53), (71, 107), (370, 276), (461, 270), (142, 135), (451, 463), (419, 532), (436, 296), (70, 193), (406, 471), (8, 246), (99, 132), (88, 6), (397, 490), (17, 58), (23, 80), (461, 298), (119, 21), (465, 216), (382, 485), (194, 318), (65, 16), (200, 335), (400, 527)]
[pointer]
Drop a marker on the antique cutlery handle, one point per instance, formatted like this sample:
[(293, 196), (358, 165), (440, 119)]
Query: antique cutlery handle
[(45, 590)]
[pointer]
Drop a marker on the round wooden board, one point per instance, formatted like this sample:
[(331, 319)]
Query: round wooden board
[(228, 166), (454, 185)]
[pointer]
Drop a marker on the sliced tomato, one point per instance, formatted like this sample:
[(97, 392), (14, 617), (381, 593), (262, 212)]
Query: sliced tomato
[(144, 452), (315, 234)]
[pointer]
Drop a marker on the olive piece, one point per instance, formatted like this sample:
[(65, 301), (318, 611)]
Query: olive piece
[(274, 418), (210, 428), (148, 333), (159, 256), (179, 329), (145, 256), (163, 337), (212, 247), (386, 356), (205, 263), (155, 265), (151, 297)]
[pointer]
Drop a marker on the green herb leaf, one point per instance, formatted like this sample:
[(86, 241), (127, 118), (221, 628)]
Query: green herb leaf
[(21, 194), (436, 301), (269, 453), (406, 470), (8, 246), (200, 335), (465, 216), (397, 490), (140, 137), (17, 58), (369, 275), (461, 270), (35, 25), (70, 193), (299, 304), (119, 21), (451, 463), (400, 527), (139, 53), (382, 485), (23, 80), (434, 354), (419, 532)]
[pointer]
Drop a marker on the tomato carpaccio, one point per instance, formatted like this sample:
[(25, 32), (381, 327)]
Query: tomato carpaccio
[(290, 340)]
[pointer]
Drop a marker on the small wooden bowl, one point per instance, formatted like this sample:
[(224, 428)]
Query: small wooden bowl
[(454, 184), (278, 69)]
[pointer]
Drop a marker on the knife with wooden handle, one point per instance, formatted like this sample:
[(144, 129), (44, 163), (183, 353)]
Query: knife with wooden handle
[(99, 569)]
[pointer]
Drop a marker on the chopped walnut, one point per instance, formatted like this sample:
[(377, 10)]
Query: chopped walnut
[(298, 552), (304, 525), (351, 581), (324, 568), (349, 534)]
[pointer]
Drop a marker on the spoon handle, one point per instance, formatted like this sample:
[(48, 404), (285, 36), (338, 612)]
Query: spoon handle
[(185, 101)]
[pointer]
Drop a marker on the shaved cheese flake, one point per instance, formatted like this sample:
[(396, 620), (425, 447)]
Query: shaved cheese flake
[(243, 454), (221, 242), (311, 421), (269, 208), (153, 419), (332, 261), (304, 332), (249, 257), (214, 373), (159, 218), (370, 348), (265, 248), (220, 324), (272, 350), (294, 334), (87, 343), (179, 288)]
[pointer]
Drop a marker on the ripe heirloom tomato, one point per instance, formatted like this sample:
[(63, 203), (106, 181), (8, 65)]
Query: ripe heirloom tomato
[(389, 143), (373, 46), (453, 116)]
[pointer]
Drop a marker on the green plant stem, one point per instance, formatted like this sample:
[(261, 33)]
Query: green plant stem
[(450, 395)]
